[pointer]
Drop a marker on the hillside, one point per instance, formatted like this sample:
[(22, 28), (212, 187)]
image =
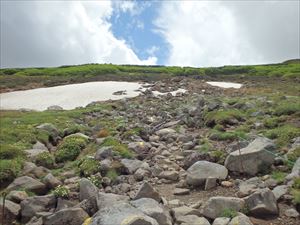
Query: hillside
[(208, 156)]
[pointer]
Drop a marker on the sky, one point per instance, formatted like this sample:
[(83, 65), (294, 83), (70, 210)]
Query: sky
[(179, 33)]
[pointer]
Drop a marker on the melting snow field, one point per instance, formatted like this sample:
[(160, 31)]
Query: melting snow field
[(225, 84)]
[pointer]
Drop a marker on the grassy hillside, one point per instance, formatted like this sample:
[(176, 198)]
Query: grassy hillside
[(20, 77)]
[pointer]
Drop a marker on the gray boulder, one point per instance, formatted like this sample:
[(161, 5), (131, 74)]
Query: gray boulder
[(122, 213), (201, 170), (131, 165), (256, 157), (147, 191), (215, 206), (109, 199), (29, 184), (87, 189), (240, 219), (69, 216), (280, 190), (192, 220), (153, 209), (32, 205), (51, 181), (169, 175), (33, 153), (104, 152), (221, 221), (184, 211), (262, 203), (17, 196), (11, 212)]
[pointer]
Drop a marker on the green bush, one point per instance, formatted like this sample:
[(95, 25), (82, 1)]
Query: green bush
[(293, 154), (61, 192), (70, 148), (283, 134), (10, 169), (296, 183), (222, 117), (45, 159), (287, 108), (10, 152), (88, 166), (95, 180), (296, 196), (118, 147), (272, 122)]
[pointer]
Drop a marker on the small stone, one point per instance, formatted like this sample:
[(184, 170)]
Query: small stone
[(291, 213), (169, 175), (221, 221), (181, 191), (226, 183)]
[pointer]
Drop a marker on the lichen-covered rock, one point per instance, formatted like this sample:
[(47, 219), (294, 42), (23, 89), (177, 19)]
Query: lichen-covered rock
[(29, 184)]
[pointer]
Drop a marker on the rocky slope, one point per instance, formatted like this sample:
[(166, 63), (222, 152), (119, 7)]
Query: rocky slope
[(209, 156)]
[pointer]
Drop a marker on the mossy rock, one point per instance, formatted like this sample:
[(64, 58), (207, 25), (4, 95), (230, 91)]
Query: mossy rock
[(45, 159)]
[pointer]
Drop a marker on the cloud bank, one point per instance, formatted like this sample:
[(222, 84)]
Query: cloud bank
[(202, 33), (40, 33)]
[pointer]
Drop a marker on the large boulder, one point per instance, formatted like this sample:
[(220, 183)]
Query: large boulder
[(256, 157), (109, 199), (11, 212), (153, 209), (28, 184), (262, 203), (69, 216), (32, 205), (104, 152), (17, 196), (201, 170), (122, 213), (215, 206), (131, 165), (147, 191), (184, 211), (87, 189), (51, 181)]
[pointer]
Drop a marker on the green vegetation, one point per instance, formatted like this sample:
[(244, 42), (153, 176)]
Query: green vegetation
[(118, 147), (278, 176), (70, 148), (88, 166), (45, 159), (287, 108), (283, 134), (18, 77), (96, 180), (112, 174), (228, 135), (229, 213), (61, 192), (9, 169), (272, 122), (293, 154), (222, 117)]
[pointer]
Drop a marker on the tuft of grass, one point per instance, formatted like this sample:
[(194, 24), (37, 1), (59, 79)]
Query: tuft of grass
[(296, 183), (227, 136), (118, 147), (61, 192), (222, 117), (296, 196), (10, 169), (283, 134), (272, 122), (278, 176), (103, 133), (112, 174), (293, 154), (70, 148), (229, 213)]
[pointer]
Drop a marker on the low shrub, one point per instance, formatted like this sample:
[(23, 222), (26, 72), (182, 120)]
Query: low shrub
[(61, 192), (10, 152), (88, 166), (222, 117), (112, 174), (278, 176), (45, 159), (287, 108), (10, 169), (70, 148), (118, 147), (227, 136), (293, 154), (283, 134)]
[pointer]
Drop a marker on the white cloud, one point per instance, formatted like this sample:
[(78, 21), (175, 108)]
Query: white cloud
[(55, 33), (152, 50), (202, 33)]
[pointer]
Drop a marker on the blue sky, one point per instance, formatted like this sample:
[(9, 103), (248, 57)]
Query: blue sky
[(179, 33), (139, 31)]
